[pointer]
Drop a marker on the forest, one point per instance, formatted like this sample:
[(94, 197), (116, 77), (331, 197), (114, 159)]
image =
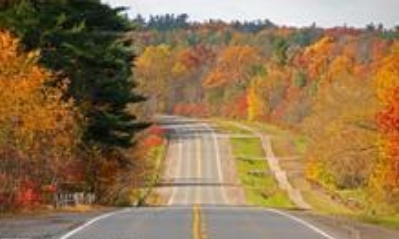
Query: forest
[(66, 87), (339, 87), (78, 90)]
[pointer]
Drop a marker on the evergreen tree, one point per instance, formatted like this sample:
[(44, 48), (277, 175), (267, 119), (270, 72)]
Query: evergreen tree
[(83, 40)]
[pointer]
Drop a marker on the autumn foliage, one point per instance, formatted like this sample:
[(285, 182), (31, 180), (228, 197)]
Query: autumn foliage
[(387, 81), (38, 130), (338, 87)]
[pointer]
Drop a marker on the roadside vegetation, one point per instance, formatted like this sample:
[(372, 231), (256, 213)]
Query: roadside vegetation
[(258, 182), (341, 203), (156, 147), (66, 119), (334, 92), (69, 120)]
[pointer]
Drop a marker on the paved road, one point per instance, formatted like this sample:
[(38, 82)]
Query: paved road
[(215, 223), (198, 205), (194, 164)]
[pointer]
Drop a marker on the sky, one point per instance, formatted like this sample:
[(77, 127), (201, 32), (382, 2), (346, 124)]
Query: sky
[(325, 13)]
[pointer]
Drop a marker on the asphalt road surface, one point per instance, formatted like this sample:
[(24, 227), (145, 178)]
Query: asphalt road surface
[(197, 206), (213, 223), (194, 170)]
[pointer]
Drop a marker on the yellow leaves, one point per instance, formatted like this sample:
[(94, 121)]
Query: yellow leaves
[(324, 45), (341, 67), (28, 108), (387, 77), (255, 102), (154, 66), (318, 55), (313, 169), (233, 65), (179, 69)]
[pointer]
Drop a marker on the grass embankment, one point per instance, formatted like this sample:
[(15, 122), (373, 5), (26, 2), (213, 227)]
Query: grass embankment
[(291, 148), (258, 182)]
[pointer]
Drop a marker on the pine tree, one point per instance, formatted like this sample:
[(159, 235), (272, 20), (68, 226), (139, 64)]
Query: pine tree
[(83, 40)]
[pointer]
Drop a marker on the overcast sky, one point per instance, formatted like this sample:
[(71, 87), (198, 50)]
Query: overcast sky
[(325, 13)]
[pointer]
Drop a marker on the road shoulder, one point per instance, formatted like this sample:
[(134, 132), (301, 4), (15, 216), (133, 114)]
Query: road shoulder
[(46, 224)]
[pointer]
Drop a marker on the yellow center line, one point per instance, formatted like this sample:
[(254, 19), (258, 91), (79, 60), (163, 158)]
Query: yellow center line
[(198, 232)]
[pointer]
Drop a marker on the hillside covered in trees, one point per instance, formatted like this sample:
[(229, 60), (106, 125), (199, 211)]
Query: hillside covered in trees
[(339, 87)]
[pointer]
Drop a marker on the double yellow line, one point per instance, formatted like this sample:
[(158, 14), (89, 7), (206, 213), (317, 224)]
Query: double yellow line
[(198, 229)]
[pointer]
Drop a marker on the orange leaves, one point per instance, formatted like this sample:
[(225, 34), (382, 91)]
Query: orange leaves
[(389, 117), (388, 75), (233, 66), (25, 101), (387, 80), (340, 68), (9, 48), (38, 130), (317, 56), (216, 78), (196, 56)]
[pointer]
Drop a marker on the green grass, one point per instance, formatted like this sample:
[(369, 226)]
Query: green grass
[(263, 190), (259, 185), (250, 147)]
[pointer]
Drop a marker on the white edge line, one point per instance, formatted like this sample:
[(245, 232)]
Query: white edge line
[(87, 224), (187, 159), (199, 166), (178, 162), (303, 222), (218, 161)]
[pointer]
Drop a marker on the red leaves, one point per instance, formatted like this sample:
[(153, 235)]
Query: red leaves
[(388, 118), (28, 194), (196, 56), (154, 137), (152, 141), (387, 80), (156, 130)]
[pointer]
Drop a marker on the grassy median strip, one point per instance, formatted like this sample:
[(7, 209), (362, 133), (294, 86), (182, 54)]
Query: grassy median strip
[(258, 182)]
